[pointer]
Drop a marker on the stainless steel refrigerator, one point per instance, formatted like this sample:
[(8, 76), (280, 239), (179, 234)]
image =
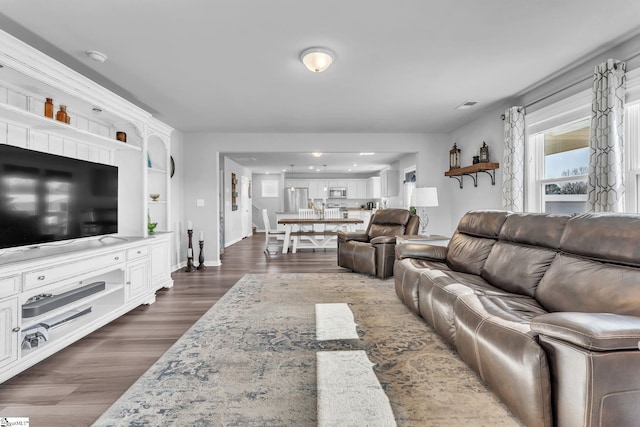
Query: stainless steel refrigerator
[(296, 199)]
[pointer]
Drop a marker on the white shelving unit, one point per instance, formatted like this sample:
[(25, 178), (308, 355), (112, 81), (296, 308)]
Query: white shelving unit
[(133, 265)]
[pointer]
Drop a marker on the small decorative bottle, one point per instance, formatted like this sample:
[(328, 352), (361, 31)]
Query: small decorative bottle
[(48, 108), (62, 115)]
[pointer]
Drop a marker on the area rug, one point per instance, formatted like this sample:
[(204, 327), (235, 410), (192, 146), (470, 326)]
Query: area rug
[(251, 361)]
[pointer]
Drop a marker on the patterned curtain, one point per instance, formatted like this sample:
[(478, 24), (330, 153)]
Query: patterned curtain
[(513, 164), (606, 145)]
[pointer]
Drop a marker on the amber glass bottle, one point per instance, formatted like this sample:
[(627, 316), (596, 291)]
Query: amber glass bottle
[(48, 108), (62, 115)]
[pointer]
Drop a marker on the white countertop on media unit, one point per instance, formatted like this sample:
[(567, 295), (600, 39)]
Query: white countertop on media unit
[(51, 251)]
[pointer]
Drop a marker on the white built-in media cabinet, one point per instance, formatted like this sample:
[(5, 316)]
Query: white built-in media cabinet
[(96, 279)]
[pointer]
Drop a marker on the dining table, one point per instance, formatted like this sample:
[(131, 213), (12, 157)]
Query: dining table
[(318, 231)]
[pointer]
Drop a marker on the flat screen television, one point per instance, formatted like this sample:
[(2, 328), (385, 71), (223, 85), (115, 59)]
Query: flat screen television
[(48, 198)]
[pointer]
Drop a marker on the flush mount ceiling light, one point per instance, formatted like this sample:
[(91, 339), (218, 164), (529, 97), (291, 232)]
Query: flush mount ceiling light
[(316, 154), (96, 56), (317, 59)]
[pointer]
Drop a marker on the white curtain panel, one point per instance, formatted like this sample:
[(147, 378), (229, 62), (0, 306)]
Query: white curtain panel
[(513, 164), (606, 146)]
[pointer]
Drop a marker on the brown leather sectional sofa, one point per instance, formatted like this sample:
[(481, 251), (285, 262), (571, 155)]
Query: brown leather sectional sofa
[(545, 308)]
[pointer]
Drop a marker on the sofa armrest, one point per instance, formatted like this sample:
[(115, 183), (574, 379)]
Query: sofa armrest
[(421, 251), (345, 236), (383, 240), (592, 331)]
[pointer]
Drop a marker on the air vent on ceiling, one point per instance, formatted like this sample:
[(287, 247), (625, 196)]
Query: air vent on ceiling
[(466, 105)]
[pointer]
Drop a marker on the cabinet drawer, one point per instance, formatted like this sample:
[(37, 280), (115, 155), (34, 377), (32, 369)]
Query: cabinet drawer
[(45, 276), (9, 286), (139, 252)]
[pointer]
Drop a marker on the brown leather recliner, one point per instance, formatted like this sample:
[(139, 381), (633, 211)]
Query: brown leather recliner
[(373, 251)]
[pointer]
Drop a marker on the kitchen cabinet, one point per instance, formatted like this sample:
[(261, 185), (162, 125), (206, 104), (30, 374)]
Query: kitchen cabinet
[(389, 183), (357, 189), (373, 188), (364, 215), (317, 189)]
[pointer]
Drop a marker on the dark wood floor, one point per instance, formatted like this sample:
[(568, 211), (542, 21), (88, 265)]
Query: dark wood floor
[(76, 385)]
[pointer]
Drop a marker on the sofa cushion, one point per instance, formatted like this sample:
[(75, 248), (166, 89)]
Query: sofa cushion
[(517, 268), (438, 291), (537, 229), (468, 253), (579, 284), (493, 335), (406, 273), (388, 222), (606, 237), (482, 223), (358, 256)]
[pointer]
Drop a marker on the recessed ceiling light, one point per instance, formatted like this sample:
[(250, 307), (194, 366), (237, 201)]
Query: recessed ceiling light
[(316, 154), (311, 167), (466, 105), (367, 154), (355, 165), (266, 173), (96, 56)]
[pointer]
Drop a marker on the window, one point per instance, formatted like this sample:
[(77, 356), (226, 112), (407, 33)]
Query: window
[(566, 165), (561, 165), (556, 156)]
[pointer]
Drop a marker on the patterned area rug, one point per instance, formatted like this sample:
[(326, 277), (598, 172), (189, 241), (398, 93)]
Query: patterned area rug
[(251, 360)]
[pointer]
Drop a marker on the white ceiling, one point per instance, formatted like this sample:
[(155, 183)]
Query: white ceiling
[(402, 66)]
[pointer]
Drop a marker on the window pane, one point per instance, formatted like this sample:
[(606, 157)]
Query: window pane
[(565, 197), (566, 150)]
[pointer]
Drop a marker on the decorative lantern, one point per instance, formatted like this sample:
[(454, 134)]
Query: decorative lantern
[(454, 157), (484, 153)]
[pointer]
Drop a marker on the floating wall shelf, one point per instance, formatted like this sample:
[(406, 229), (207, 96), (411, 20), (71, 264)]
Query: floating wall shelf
[(472, 171)]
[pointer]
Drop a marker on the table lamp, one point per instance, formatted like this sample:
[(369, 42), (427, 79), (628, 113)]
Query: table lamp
[(423, 198)]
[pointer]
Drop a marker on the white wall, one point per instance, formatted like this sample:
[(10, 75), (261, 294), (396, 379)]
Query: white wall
[(201, 167), (271, 204), (469, 138)]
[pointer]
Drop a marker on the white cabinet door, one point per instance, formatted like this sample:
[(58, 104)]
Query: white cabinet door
[(9, 336), (352, 189), (317, 189), (137, 278), (389, 183), (373, 188), (160, 265), (365, 216), (361, 189)]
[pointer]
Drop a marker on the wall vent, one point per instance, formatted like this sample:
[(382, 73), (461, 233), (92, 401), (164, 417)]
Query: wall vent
[(466, 105)]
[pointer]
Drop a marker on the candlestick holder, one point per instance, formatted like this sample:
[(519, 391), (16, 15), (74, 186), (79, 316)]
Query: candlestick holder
[(190, 267), (201, 265)]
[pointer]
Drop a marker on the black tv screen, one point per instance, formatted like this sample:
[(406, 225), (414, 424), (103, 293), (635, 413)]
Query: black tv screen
[(47, 198)]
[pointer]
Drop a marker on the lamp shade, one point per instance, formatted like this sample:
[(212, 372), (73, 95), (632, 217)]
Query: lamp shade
[(317, 59), (425, 197)]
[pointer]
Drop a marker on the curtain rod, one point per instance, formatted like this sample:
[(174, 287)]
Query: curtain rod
[(569, 86)]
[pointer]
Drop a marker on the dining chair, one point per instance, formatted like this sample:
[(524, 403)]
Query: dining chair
[(306, 214), (303, 214), (332, 213), (270, 236)]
